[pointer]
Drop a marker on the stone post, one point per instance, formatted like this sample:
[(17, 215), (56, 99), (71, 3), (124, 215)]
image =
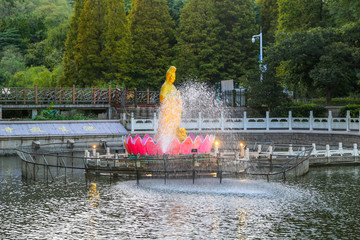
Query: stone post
[(33, 113), (356, 151), (222, 120), (259, 148), (109, 113), (314, 151), (244, 120), (347, 120), (291, 151), (242, 151), (311, 120), (200, 121), (247, 153), (330, 121), (155, 122), (290, 121), (132, 122), (341, 150), (327, 152), (124, 119), (0, 112), (267, 121)]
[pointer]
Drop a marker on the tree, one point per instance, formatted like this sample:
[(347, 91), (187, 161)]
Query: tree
[(345, 11), (175, 7), (117, 51), (153, 39), (70, 73), (11, 62), (269, 19), (40, 76), (296, 54), (10, 37), (267, 93), (90, 43), (297, 15), (335, 72), (214, 39)]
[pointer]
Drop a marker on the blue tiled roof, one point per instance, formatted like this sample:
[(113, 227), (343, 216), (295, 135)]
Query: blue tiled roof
[(61, 128)]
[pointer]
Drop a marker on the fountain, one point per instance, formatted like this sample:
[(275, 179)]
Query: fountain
[(170, 138)]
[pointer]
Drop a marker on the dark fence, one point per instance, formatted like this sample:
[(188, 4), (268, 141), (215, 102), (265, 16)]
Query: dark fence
[(115, 96), (59, 95)]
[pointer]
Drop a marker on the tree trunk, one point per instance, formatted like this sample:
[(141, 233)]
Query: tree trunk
[(328, 95)]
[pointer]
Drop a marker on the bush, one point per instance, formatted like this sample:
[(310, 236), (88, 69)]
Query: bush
[(299, 110), (353, 108)]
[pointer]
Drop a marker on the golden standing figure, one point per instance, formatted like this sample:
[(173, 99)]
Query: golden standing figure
[(170, 109)]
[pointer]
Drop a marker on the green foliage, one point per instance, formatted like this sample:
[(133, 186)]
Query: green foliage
[(353, 108), (267, 93), (117, 51), (335, 70), (299, 110), (90, 43), (298, 15), (345, 11), (10, 37), (268, 19), (152, 32), (11, 62), (51, 114), (213, 42), (98, 44), (306, 61), (70, 73), (40, 76), (175, 6)]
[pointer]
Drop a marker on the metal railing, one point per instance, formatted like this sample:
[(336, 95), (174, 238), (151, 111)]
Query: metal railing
[(73, 95), (115, 96)]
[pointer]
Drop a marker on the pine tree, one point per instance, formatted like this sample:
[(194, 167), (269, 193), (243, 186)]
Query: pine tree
[(236, 27), (153, 38), (215, 39), (90, 43), (117, 52), (269, 19), (197, 43), (69, 68), (298, 15)]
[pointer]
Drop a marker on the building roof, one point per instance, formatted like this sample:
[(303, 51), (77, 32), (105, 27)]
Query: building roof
[(61, 128)]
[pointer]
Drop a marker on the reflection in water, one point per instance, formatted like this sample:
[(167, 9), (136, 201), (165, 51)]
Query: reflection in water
[(94, 195), (321, 205), (94, 200)]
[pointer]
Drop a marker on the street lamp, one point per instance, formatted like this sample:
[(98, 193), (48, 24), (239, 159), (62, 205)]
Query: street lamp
[(261, 51)]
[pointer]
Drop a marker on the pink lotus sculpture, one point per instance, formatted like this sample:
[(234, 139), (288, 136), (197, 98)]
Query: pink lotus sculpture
[(147, 146)]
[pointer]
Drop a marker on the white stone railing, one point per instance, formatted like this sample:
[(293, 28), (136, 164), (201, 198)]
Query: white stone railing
[(264, 124)]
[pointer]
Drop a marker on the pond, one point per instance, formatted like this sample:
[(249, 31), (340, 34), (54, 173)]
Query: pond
[(324, 204)]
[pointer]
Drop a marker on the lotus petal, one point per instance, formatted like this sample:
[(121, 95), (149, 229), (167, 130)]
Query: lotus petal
[(159, 147), (201, 137), (126, 146), (150, 146), (192, 137), (132, 146), (204, 145), (210, 144), (174, 147), (197, 143), (145, 138), (186, 146), (140, 147)]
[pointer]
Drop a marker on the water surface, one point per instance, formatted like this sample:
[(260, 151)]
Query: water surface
[(322, 205)]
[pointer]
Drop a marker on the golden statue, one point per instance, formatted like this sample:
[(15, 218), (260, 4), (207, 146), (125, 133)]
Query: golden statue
[(170, 109)]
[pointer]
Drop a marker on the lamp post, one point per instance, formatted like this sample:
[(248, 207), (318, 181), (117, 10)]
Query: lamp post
[(261, 51)]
